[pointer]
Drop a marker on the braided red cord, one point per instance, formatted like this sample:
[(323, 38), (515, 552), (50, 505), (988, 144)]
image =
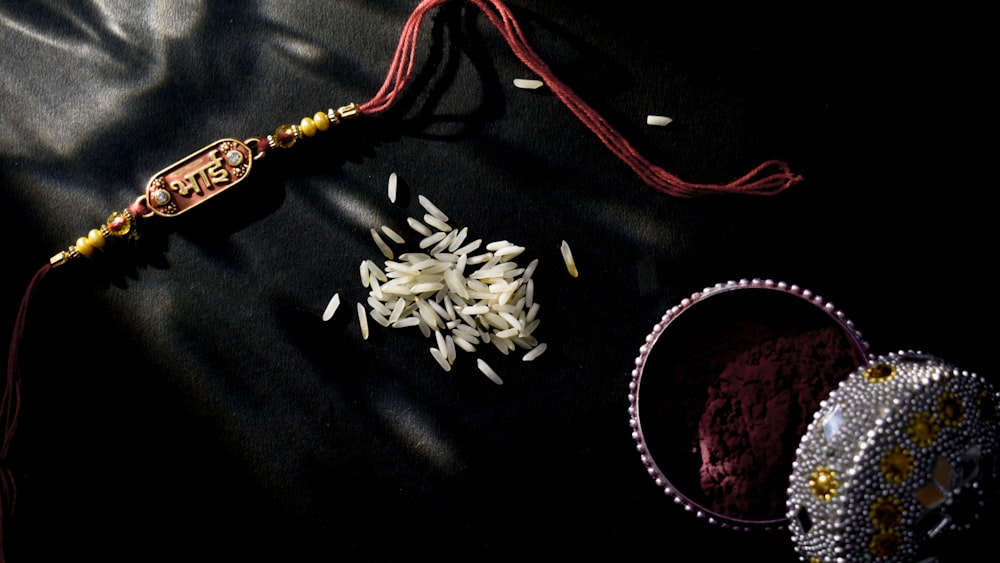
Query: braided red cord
[(768, 178)]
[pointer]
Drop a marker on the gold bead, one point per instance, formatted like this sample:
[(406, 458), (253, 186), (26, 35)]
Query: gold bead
[(284, 136), (321, 120), (84, 247), (118, 224), (307, 126), (96, 238)]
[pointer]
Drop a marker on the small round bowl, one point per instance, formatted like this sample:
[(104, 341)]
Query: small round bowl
[(723, 389)]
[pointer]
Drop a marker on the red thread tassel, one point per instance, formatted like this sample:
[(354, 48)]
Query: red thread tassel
[(769, 178), (10, 404)]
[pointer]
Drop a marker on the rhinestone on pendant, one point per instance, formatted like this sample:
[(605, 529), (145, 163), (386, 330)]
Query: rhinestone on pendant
[(234, 157)]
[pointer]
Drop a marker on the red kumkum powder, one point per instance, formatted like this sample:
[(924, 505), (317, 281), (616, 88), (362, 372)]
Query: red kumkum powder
[(756, 413)]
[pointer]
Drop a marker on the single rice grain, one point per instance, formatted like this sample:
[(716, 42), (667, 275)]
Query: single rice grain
[(567, 255), (393, 180), (528, 84), (431, 208), (331, 307), (432, 239), (406, 321), (535, 352), (488, 371), (382, 246), (658, 120), (374, 270), (379, 318), (418, 226), (396, 238), (363, 319), (438, 224)]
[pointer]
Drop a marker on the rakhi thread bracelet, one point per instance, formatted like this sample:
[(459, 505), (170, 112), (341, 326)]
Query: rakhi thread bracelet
[(225, 163)]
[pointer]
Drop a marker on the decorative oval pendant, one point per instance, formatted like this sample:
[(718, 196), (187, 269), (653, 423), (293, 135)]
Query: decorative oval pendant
[(198, 177)]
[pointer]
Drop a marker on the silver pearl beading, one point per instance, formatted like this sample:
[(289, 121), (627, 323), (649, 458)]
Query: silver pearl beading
[(902, 451)]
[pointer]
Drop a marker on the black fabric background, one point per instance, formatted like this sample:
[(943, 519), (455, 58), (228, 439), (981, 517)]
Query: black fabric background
[(183, 398)]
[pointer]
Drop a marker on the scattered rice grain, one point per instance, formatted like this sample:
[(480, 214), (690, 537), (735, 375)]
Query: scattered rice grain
[(426, 287), (398, 287), (529, 327), (474, 245), (382, 246), (535, 352), (427, 314), (441, 344), (508, 251), (528, 84), (376, 288), (431, 208), (424, 264), (476, 310), (432, 239), (378, 317), (418, 226), (658, 120), (479, 259), (363, 319), (442, 245), (567, 256), (393, 235), (378, 305), (456, 284), (392, 187), (497, 245), (406, 321), (449, 342), (532, 313), (397, 310), (458, 239), (374, 270), (331, 307), (511, 320), (436, 223), (530, 270), (488, 371), (509, 333)]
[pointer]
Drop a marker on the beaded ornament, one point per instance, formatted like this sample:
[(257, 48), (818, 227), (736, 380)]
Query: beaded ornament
[(903, 452)]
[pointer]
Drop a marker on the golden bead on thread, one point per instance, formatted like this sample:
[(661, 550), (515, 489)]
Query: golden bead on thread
[(307, 126), (284, 136), (84, 247), (321, 120), (96, 238)]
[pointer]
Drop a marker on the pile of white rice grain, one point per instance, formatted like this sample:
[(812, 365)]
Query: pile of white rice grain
[(459, 291)]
